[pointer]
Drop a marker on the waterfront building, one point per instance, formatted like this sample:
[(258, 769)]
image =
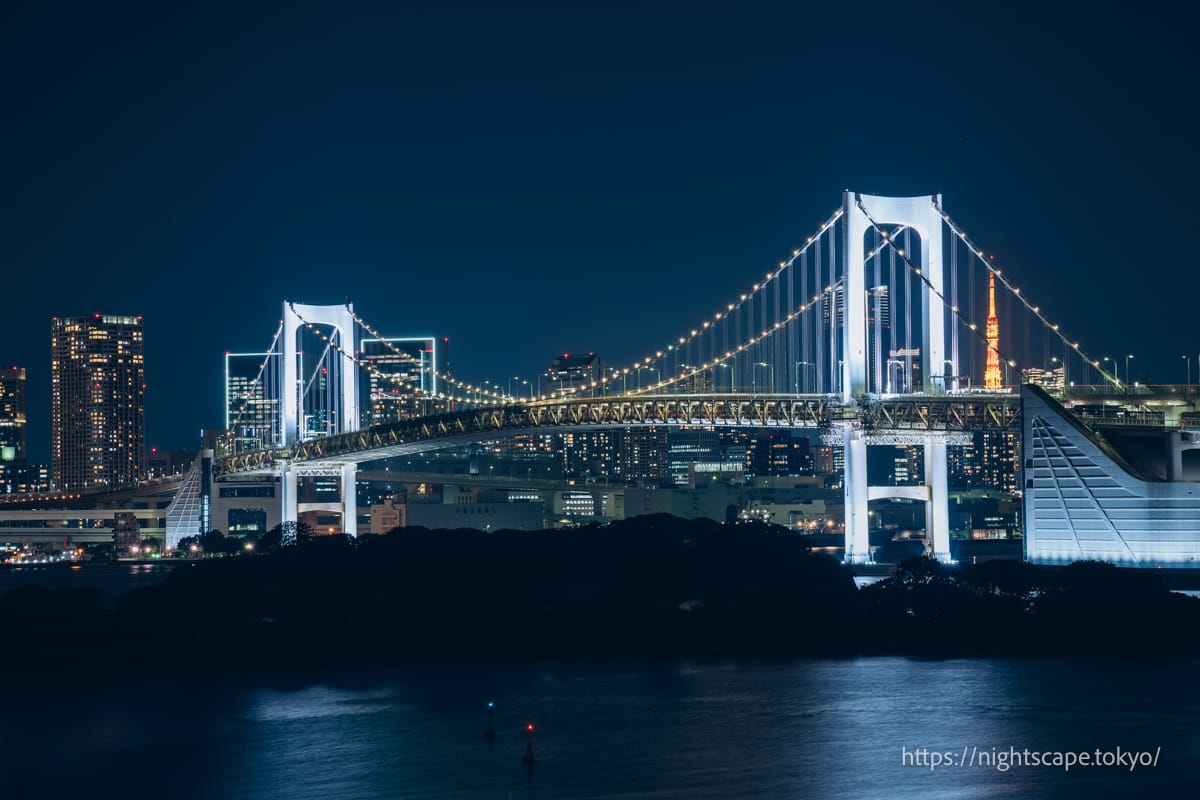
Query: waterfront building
[(1084, 501), (403, 378), (574, 373), (693, 380), (97, 401), (588, 453), (643, 457), (1052, 380), (24, 477), (12, 415), (687, 446), (252, 399)]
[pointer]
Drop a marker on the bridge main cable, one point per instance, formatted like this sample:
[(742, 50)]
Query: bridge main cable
[(1016, 292)]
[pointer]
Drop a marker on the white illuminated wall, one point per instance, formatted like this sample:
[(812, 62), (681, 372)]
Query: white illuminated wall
[(1082, 504)]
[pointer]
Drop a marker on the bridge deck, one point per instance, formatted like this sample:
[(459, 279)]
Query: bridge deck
[(908, 413)]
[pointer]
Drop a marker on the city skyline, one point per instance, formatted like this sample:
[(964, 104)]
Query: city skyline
[(523, 214)]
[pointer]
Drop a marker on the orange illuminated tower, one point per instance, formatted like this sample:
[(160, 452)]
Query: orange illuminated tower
[(991, 374)]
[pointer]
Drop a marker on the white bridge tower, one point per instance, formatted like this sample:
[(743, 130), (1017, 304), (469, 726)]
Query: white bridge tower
[(344, 416), (921, 214)]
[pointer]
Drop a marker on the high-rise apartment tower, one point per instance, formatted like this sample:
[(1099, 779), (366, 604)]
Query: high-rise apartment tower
[(97, 401), (12, 414)]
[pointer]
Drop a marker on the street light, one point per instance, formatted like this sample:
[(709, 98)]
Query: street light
[(1127, 370), (657, 374), (1188, 362), (730, 368), (811, 366), (770, 377), (890, 363)]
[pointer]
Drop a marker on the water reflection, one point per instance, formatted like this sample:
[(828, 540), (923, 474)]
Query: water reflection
[(831, 729)]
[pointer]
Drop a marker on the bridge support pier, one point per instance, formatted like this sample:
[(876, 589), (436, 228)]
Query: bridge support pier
[(858, 494), (855, 493), (937, 509), (289, 491), (349, 500)]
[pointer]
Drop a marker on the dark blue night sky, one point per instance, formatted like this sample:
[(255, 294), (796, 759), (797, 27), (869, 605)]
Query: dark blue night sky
[(533, 179)]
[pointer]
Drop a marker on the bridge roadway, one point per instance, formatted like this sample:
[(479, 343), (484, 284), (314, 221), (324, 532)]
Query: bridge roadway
[(906, 414)]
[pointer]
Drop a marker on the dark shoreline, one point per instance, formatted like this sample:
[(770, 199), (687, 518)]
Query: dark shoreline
[(650, 587)]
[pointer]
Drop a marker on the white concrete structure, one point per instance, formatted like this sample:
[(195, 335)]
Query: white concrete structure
[(347, 415), (1083, 502), (340, 318), (922, 215)]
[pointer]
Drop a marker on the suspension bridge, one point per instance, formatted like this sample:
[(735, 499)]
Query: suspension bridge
[(879, 328)]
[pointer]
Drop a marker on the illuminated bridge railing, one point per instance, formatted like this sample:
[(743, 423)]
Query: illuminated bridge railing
[(422, 433), (1137, 390), (914, 413), (975, 412)]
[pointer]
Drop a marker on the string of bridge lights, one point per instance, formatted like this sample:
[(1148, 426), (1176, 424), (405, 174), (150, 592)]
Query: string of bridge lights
[(887, 239), (973, 327), (887, 242), (683, 341), (370, 367), (1016, 292), (925, 279), (728, 310), (734, 352), (246, 395), (478, 390)]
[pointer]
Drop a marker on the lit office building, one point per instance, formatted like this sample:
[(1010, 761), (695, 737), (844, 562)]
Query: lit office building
[(12, 415), (962, 465), (999, 458), (904, 371), (687, 446), (251, 399), (574, 373), (588, 454), (879, 330), (23, 477), (694, 380), (403, 378), (97, 417), (1052, 380), (643, 455), (778, 453)]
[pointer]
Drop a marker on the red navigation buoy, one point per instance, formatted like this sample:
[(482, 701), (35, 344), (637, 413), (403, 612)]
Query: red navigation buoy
[(528, 757)]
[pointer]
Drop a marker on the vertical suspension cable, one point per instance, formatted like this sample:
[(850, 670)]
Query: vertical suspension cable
[(926, 352), (954, 302), (737, 335), (908, 283), (1026, 338), (974, 306), (725, 346), (834, 321), (777, 338), (791, 332), (819, 322), (877, 294), (893, 334), (804, 326), (759, 323)]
